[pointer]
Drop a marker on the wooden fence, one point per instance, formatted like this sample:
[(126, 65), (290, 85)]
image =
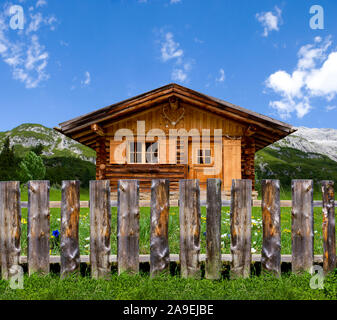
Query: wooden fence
[(128, 204)]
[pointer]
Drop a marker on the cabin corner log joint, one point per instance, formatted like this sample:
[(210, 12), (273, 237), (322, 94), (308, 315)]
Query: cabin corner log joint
[(150, 116)]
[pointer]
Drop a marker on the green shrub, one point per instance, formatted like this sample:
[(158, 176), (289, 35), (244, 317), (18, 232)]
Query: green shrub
[(31, 168)]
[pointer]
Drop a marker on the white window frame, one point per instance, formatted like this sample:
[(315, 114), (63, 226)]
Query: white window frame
[(143, 152)]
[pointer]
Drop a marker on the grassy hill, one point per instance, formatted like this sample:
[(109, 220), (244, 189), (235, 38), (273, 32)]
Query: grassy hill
[(291, 158), (64, 159), (54, 144), (286, 163)]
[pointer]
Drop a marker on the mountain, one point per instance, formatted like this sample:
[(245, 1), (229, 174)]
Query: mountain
[(309, 153), (54, 144), (312, 140)]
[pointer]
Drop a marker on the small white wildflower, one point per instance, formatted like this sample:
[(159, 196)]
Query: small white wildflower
[(87, 246), (87, 239), (253, 250)]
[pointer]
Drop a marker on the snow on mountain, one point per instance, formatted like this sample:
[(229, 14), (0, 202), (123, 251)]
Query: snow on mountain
[(312, 140)]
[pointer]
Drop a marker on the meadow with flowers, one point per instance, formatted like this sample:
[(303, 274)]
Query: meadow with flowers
[(141, 286), (144, 245)]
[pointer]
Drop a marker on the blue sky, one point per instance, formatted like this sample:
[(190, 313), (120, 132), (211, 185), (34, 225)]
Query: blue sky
[(76, 56)]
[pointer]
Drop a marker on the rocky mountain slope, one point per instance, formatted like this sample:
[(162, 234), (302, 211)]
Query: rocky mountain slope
[(312, 140), (309, 153), (54, 144)]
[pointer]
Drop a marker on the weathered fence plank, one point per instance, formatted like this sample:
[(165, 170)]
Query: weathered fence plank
[(213, 230), (302, 226), (241, 213), (10, 227), (128, 226), (329, 233), (38, 227), (70, 214), (159, 245), (271, 213), (189, 216), (100, 229)]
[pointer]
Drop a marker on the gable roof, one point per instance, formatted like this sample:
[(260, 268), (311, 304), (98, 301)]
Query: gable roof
[(268, 130)]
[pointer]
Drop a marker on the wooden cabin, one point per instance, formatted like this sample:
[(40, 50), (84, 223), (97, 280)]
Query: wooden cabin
[(128, 138)]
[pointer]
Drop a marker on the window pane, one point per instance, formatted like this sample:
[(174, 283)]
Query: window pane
[(151, 152)]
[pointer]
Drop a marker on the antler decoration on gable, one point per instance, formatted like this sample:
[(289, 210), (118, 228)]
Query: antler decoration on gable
[(172, 112)]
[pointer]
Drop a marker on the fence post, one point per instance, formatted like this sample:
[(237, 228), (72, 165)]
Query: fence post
[(70, 213), (38, 227), (241, 213), (159, 246), (213, 230), (302, 226), (271, 213), (100, 229), (329, 235), (10, 227), (189, 216), (128, 226)]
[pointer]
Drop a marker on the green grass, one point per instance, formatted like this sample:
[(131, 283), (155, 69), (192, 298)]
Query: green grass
[(287, 163), (142, 287), (170, 287), (144, 242)]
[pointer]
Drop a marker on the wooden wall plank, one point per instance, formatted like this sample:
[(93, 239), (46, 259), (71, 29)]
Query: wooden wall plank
[(189, 216), (329, 232), (38, 227), (241, 211), (159, 245), (271, 214), (128, 226), (10, 227), (213, 230), (302, 226), (100, 229), (70, 214)]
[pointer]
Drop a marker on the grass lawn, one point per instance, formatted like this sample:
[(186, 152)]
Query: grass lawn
[(142, 287), (170, 287)]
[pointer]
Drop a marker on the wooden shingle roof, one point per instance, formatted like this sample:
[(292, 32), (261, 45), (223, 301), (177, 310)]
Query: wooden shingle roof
[(268, 130)]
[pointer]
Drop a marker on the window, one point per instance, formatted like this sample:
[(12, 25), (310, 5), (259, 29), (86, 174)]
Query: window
[(151, 152), (140, 152), (204, 156), (135, 152)]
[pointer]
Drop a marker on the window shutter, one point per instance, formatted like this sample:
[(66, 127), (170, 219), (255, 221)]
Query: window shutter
[(162, 146), (172, 150), (231, 162), (117, 152)]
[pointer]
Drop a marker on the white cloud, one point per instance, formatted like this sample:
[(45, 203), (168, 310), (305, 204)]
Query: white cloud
[(315, 76), (330, 108), (174, 1), (270, 20), (197, 40), (222, 76), (37, 20), (170, 48), (41, 3), (87, 79), (179, 75), (22, 51), (171, 52)]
